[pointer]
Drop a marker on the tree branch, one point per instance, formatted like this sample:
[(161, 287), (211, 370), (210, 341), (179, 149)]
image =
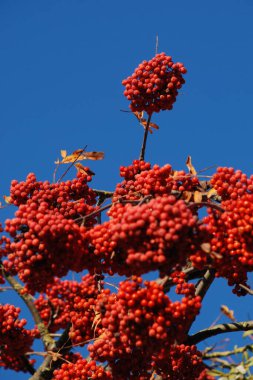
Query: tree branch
[(48, 341), (204, 283), (238, 350), (191, 273), (45, 371), (143, 148), (219, 329)]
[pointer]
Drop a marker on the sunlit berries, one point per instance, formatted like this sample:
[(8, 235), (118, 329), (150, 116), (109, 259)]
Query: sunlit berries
[(154, 85)]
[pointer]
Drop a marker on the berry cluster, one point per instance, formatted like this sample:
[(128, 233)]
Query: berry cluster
[(142, 180), (230, 183), (154, 235), (232, 240), (140, 321), (48, 239), (154, 85), (63, 304), (183, 363), (14, 338), (81, 369)]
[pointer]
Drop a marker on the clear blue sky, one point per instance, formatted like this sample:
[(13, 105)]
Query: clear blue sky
[(61, 67)]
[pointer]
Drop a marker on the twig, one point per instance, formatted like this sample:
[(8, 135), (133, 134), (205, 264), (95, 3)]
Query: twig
[(250, 291), (156, 44), (45, 371), (206, 204), (219, 329), (143, 148), (236, 351), (27, 364), (204, 283), (72, 163), (191, 273)]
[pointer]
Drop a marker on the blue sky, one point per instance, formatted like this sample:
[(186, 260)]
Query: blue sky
[(61, 67)]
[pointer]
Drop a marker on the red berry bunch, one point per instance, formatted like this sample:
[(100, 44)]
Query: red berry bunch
[(62, 302), (48, 238), (154, 85), (232, 240), (231, 183), (155, 235), (182, 363), (142, 180), (140, 320), (81, 369), (15, 340)]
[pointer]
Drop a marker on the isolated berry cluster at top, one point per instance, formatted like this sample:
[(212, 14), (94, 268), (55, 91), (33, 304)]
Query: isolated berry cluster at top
[(154, 85)]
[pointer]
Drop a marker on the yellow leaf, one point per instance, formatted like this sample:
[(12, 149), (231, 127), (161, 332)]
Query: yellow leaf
[(211, 193), (63, 153), (227, 312), (7, 199), (197, 196), (144, 122), (187, 196), (206, 247), (190, 166), (80, 155)]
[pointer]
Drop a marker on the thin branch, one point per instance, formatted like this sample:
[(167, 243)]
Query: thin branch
[(47, 340), (204, 283), (27, 364), (238, 350), (206, 204), (106, 207), (191, 273), (219, 329), (249, 291), (72, 164), (143, 148), (45, 371), (156, 44)]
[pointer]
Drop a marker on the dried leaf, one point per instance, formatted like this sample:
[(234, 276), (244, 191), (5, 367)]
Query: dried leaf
[(144, 122), (83, 170), (80, 155), (206, 247), (96, 321), (7, 199), (215, 255), (197, 196), (139, 115), (227, 312), (63, 153), (92, 156), (187, 196), (211, 193), (190, 166)]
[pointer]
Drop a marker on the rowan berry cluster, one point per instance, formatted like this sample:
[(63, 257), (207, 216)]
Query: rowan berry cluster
[(230, 183), (48, 240), (63, 304), (183, 363), (81, 369), (154, 85), (153, 236), (232, 240), (142, 180), (140, 321), (14, 338)]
